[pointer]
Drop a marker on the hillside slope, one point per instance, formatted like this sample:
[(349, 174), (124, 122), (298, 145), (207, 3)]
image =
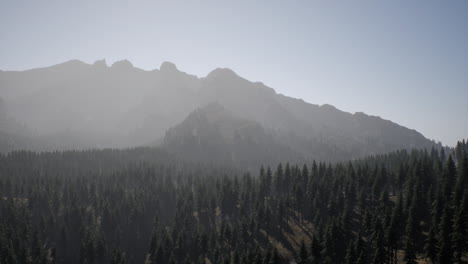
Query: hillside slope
[(213, 134), (96, 105)]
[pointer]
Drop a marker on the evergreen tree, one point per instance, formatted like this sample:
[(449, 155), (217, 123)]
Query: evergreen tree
[(350, 254), (316, 249), (459, 236), (303, 256), (445, 249), (430, 246), (118, 257)]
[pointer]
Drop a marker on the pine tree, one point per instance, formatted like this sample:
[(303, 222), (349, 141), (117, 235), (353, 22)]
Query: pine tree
[(459, 236), (118, 257), (350, 254), (393, 232), (378, 243), (410, 251), (461, 182), (303, 256), (316, 249), (360, 250), (275, 258), (445, 250), (430, 245)]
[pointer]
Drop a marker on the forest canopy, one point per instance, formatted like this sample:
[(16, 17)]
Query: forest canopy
[(143, 206)]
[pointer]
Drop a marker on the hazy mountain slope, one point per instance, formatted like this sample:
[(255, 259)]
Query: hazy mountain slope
[(12, 134), (338, 134), (80, 105), (213, 134), (317, 132), (118, 106)]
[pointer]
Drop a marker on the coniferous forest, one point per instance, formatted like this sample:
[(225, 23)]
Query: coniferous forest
[(143, 206), (233, 132)]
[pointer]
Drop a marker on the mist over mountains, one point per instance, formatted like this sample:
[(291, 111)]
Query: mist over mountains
[(220, 117)]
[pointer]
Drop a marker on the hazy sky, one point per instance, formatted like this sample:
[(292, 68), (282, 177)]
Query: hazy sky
[(406, 61)]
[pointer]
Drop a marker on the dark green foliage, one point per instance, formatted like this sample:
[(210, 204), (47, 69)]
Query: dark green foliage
[(410, 252), (118, 257), (137, 206), (430, 248), (459, 235), (303, 256)]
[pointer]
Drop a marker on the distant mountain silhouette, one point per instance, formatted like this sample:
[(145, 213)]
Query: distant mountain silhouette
[(80, 105), (213, 134)]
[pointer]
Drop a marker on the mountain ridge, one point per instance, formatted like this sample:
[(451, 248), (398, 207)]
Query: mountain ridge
[(126, 106)]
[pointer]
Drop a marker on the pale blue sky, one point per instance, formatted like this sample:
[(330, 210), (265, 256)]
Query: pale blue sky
[(406, 61)]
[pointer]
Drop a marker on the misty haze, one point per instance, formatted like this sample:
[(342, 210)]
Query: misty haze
[(75, 105), (356, 154)]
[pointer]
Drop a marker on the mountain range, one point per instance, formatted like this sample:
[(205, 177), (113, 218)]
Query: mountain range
[(221, 117)]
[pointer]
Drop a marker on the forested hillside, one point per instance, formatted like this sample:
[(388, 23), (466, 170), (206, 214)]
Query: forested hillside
[(142, 206)]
